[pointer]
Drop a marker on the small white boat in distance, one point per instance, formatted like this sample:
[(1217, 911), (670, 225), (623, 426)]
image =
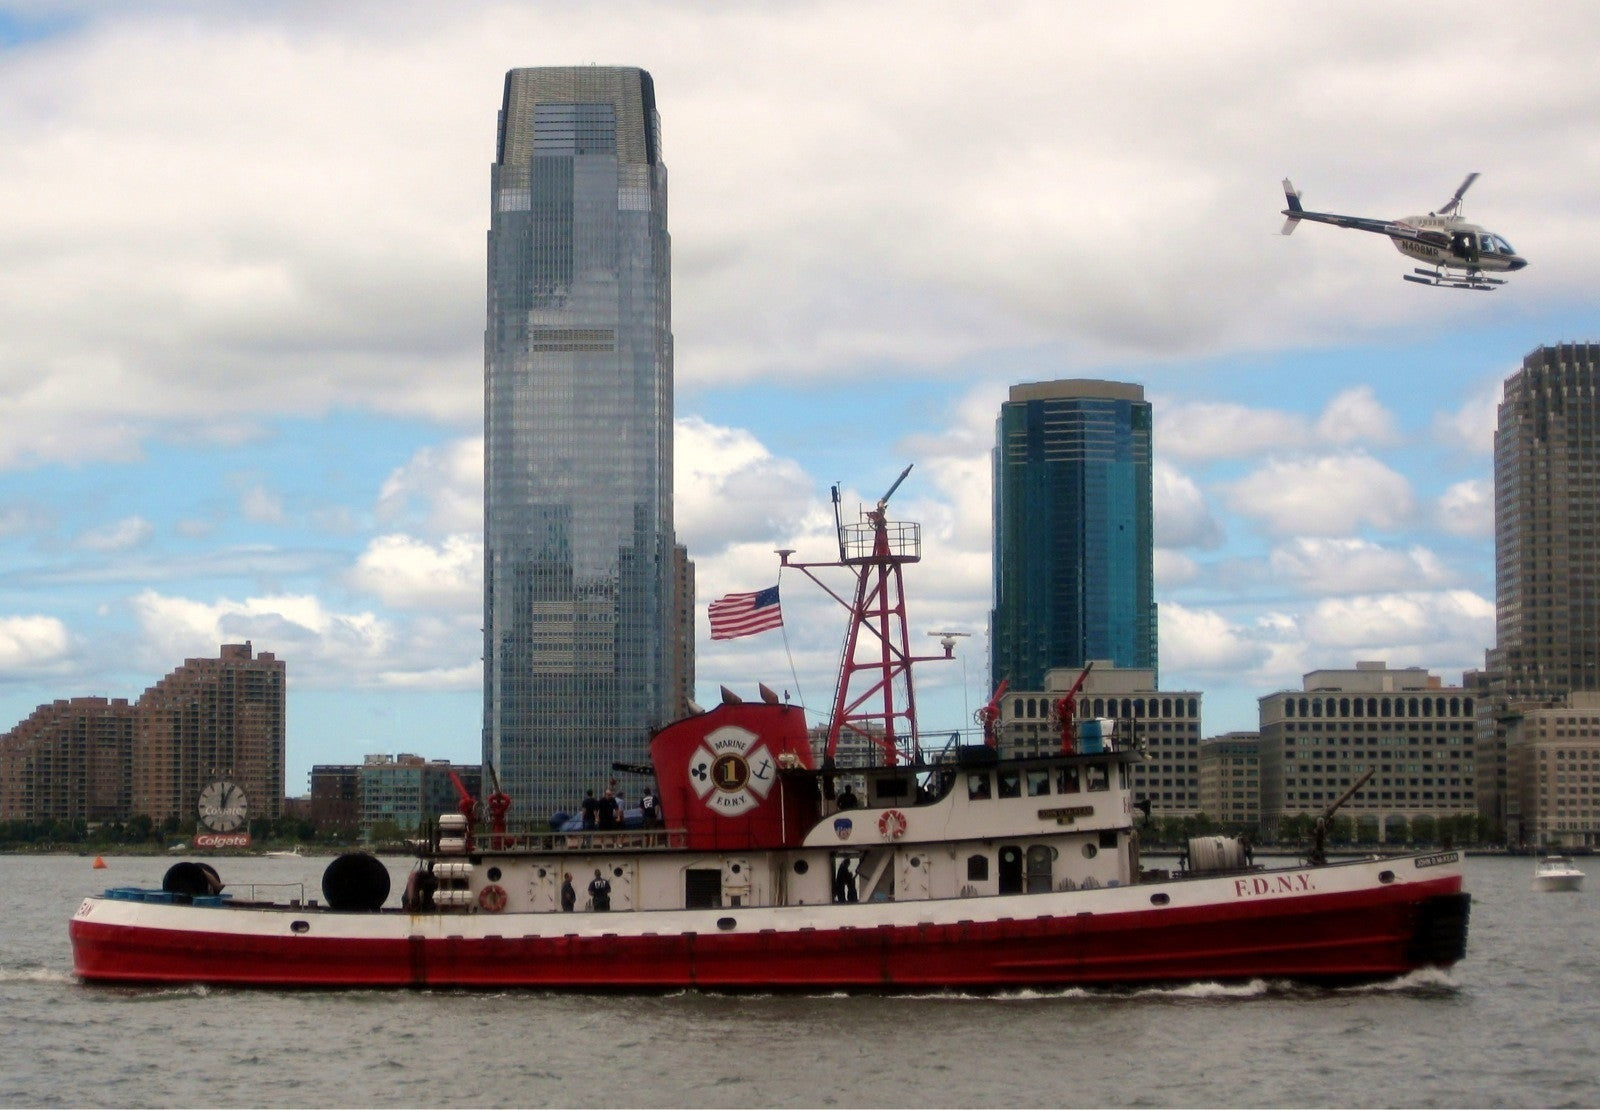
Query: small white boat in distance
[(295, 853), (1557, 873)]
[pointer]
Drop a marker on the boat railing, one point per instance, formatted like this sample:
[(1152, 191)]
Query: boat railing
[(586, 840)]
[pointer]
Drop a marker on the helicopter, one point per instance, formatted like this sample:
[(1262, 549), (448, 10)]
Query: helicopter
[(1462, 255)]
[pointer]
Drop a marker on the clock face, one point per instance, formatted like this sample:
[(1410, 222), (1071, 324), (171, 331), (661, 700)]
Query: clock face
[(222, 806)]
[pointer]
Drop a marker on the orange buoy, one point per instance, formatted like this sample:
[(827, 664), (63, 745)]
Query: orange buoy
[(99, 864)]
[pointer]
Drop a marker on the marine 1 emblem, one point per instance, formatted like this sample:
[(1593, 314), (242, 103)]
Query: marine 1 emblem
[(842, 827), (731, 770)]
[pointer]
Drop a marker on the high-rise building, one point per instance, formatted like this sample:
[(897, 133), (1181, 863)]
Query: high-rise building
[(1547, 549), (210, 720), (580, 618), (1074, 555), (71, 760)]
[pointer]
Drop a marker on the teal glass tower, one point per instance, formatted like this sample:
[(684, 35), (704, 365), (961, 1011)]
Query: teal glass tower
[(580, 620), (1074, 549)]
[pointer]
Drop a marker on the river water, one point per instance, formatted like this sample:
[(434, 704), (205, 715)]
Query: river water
[(1515, 1024)]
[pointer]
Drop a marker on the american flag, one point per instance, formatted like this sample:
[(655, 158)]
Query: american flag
[(745, 614)]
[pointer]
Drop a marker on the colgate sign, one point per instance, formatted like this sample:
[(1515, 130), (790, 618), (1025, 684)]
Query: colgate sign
[(222, 840)]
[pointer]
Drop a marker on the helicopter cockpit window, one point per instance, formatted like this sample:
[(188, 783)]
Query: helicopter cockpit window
[(1493, 244)]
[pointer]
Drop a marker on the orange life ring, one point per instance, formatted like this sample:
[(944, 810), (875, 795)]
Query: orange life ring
[(492, 898), (892, 824)]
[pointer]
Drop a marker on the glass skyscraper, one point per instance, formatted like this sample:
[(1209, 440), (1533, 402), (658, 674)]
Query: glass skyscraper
[(1074, 558), (582, 628)]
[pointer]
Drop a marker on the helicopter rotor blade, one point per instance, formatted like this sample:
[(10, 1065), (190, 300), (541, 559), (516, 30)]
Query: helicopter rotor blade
[(1454, 205)]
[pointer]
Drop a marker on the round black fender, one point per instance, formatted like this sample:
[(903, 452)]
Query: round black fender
[(355, 881), (191, 878)]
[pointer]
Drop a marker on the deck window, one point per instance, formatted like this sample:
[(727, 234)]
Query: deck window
[(978, 785), (1010, 783), (1067, 780), (1038, 779)]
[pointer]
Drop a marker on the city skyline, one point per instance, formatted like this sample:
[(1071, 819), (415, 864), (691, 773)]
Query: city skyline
[(244, 340)]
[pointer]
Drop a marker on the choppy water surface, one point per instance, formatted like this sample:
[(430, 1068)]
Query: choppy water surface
[(1516, 1024)]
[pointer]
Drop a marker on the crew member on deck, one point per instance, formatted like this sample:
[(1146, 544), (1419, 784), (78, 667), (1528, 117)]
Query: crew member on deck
[(600, 892), (569, 897)]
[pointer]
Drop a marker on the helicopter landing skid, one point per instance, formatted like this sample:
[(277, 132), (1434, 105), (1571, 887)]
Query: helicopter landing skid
[(1443, 279)]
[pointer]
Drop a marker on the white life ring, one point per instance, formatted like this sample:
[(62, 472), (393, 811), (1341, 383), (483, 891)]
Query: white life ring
[(892, 824)]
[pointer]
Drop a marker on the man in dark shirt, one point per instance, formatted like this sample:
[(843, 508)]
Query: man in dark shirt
[(569, 897), (600, 892), (591, 809), (608, 812)]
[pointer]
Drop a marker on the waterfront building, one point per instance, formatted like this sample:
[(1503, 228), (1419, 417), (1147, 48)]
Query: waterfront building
[(1415, 732), (399, 793), (582, 610), (1547, 550), (1230, 779), (1553, 774), (1126, 703), (336, 797), (70, 760), (209, 720), (1074, 563)]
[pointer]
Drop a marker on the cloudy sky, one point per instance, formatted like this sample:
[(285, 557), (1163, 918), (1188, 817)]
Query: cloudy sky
[(242, 303)]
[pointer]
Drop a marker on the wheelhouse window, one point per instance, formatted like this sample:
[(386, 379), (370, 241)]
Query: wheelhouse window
[(978, 785), (1038, 780), (1067, 780), (1098, 779), (1010, 783)]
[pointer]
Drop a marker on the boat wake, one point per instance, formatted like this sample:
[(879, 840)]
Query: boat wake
[(36, 975)]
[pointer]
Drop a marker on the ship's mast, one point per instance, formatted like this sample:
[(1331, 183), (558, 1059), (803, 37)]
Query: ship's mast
[(875, 697)]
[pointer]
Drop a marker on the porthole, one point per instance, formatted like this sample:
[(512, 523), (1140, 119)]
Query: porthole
[(734, 869), (1090, 851), (300, 926), (494, 874), (1386, 876), (914, 861), (617, 872), (726, 923), (801, 867), (1160, 899), (542, 872)]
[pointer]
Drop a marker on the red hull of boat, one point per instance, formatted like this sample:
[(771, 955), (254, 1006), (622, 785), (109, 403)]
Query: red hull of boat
[(1341, 937)]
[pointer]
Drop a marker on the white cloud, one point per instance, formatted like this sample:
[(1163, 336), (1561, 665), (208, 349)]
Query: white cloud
[(1469, 430), (1436, 629), (323, 646), (1329, 496), (730, 488), (1223, 430), (1182, 517), (1467, 509), (261, 505), (1204, 642), (407, 573), (439, 489), (1355, 416), (1334, 566), (121, 535), (33, 645)]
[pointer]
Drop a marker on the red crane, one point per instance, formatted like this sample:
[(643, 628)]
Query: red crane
[(1066, 714)]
